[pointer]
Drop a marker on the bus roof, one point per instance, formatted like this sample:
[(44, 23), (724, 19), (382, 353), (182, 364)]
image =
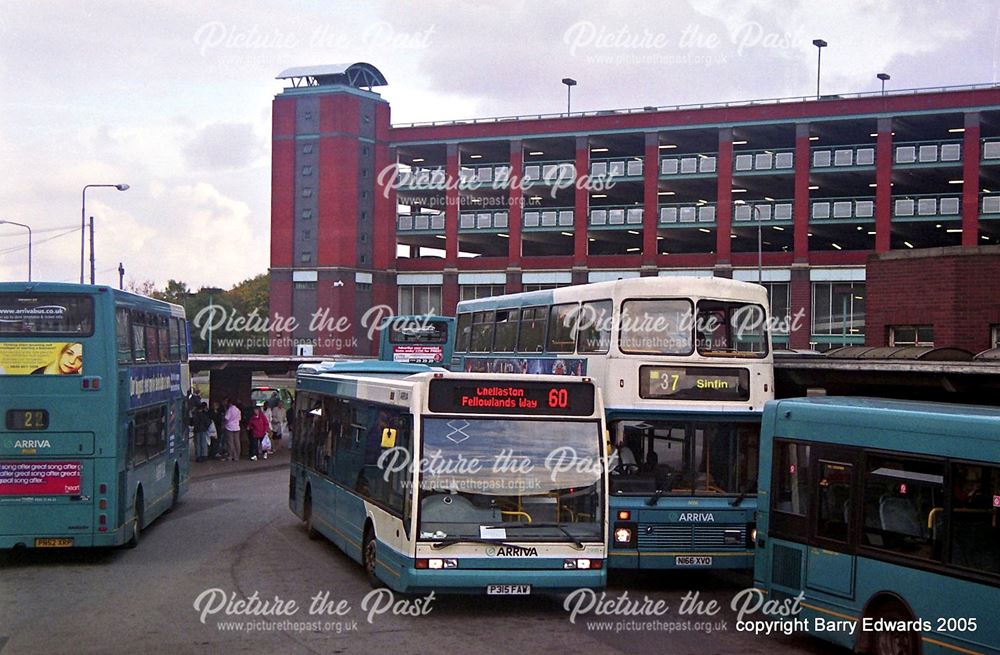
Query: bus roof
[(72, 287), (681, 286), (895, 415)]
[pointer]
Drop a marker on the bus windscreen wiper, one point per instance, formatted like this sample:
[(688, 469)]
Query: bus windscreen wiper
[(468, 540), (735, 502), (657, 495), (559, 526)]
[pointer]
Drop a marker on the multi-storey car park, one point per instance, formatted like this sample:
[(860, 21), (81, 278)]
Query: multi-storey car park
[(796, 192)]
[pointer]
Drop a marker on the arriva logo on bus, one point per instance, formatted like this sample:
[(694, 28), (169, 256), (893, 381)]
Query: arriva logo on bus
[(512, 551), (699, 517), (29, 443)]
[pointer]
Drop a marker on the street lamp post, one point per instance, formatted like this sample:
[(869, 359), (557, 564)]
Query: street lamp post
[(83, 217), (570, 83), (883, 77), (820, 44), (27, 227), (760, 249)]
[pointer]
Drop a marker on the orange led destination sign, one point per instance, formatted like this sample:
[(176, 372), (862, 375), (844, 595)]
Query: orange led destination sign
[(694, 383), (535, 398)]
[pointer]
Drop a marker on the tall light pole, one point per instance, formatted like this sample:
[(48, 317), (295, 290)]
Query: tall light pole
[(570, 83), (83, 217), (820, 44), (883, 77), (760, 249), (27, 227)]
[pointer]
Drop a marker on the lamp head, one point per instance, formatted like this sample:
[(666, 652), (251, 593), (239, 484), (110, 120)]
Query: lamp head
[(122, 187), (882, 76), (819, 43), (569, 81)]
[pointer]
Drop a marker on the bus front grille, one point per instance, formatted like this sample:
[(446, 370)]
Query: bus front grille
[(688, 537)]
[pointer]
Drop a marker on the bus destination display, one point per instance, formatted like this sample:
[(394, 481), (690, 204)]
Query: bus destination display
[(27, 419), (694, 383), (534, 398)]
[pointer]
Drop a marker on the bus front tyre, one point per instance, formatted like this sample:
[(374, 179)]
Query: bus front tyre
[(894, 643), (369, 556)]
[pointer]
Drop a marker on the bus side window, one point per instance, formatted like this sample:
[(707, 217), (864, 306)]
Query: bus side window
[(975, 518), (138, 338), (482, 332), (531, 333), (123, 336), (463, 333), (594, 332), (562, 328), (506, 330), (833, 516)]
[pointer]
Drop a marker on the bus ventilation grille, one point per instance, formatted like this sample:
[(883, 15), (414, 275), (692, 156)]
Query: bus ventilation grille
[(786, 567)]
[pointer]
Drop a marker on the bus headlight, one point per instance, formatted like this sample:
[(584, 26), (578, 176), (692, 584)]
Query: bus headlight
[(623, 535)]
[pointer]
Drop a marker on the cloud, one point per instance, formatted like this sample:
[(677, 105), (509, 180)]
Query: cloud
[(224, 146)]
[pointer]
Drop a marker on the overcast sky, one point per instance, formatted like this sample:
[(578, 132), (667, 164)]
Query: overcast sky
[(174, 97)]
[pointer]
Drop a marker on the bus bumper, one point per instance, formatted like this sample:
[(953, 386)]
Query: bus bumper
[(652, 560), (476, 581), (53, 541)]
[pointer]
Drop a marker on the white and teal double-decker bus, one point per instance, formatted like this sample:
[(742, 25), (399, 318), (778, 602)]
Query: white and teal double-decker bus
[(94, 441), (883, 518), (437, 481), (685, 367)]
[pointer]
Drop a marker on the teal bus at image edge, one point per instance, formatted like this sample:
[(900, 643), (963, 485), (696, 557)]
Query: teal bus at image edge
[(880, 511), (92, 453), (418, 339), (474, 527)]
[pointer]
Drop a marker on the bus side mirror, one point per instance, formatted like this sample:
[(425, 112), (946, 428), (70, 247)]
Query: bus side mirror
[(389, 438)]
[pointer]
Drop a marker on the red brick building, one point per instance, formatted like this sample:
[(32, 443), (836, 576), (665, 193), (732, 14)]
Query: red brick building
[(419, 216), (939, 297)]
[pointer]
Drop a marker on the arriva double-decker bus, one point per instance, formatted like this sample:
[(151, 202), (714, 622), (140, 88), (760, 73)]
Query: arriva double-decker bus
[(94, 442), (882, 518), (437, 481), (417, 339), (685, 367)]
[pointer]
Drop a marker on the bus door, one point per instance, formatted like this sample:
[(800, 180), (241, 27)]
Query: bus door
[(832, 534)]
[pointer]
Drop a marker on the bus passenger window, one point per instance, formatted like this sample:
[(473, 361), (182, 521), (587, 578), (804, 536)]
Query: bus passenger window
[(562, 328), (594, 333), (531, 336), (506, 330), (903, 499), (834, 513), (975, 518), (463, 333), (482, 332)]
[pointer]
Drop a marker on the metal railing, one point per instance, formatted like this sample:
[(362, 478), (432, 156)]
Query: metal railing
[(927, 152), (772, 211), (688, 164), (549, 172), (764, 160), (843, 156), (614, 216), (489, 173), (991, 203), (684, 213), (703, 105), (916, 207), (547, 218), (991, 149), (618, 167), (487, 221), (420, 222), (845, 208)]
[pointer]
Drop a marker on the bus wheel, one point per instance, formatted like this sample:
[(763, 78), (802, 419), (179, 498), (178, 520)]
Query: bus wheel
[(894, 643), (137, 530), (369, 555), (310, 528), (175, 488)]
